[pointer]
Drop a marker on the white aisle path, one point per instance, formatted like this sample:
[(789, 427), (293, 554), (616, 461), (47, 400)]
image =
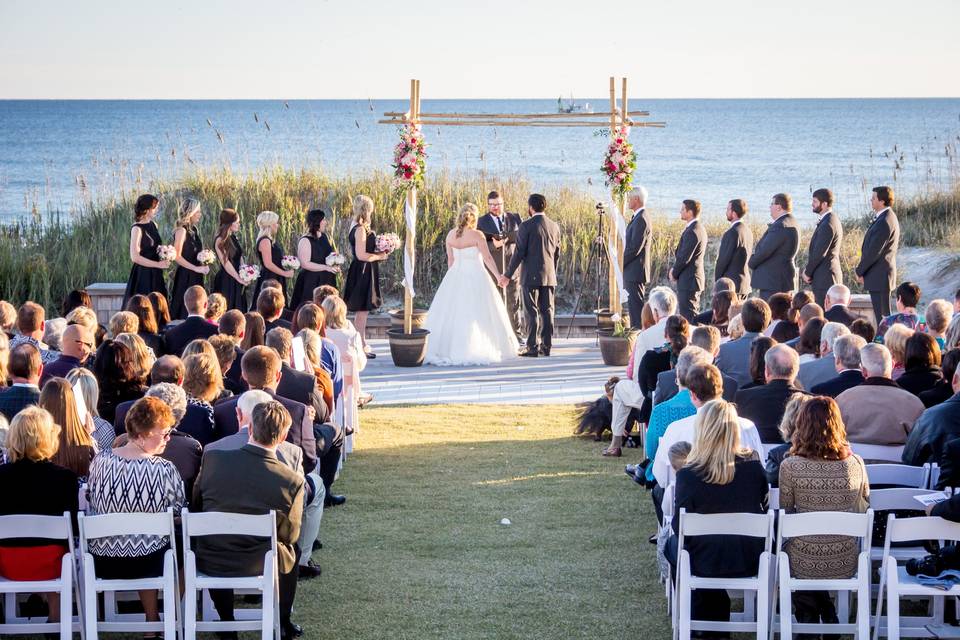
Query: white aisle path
[(573, 373)]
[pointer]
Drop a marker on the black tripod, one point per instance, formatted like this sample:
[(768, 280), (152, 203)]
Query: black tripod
[(598, 252)]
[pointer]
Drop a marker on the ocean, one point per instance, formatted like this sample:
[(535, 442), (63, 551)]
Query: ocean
[(56, 155)]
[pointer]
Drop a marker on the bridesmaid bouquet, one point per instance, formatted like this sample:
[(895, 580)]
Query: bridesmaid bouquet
[(206, 257), (290, 262), (167, 252), (335, 259), (388, 242), (248, 273)]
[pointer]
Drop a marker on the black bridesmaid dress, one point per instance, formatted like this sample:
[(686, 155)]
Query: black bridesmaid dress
[(307, 281), (183, 279), (276, 252), (226, 285), (146, 280), (362, 289)]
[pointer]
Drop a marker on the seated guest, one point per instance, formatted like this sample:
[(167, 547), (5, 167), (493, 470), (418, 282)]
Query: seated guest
[(252, 480), (863, 328), (895, 340), (103, 433), (808, 346), (8, 318), (790, 328), (308, 316), (42, 488), (758, 367), (135, 479), (74, 299), (734, 356), (123, 322), (199, 347), (177, 337), (949, 465), (142, 354), (846, 352), (294, 384), (922, 367), (663, 303), (354, 360), (255, 332), (937, 426), (943, 389), (161, 309), (77, 447), (908, 297), (202, 382), (140, 306), (878, 411), (322, 292), (24, 369), (312, 317), (764, 405), (776, 455), (952, 337), (287, 313), (678, 455), (780, 313), (937, 316), (233, 325), (735, 327), (270, 305), (823, 368), (721, 285), (53, 332), (76, 347), (216, 307), (313, 348), (118, 377), (4, 358), (30, 319), (722, 303), (654, 362), (821, 474), (708, 339), (808, 312), (837, 306), (87, 318), (722, 475), (226, 350)]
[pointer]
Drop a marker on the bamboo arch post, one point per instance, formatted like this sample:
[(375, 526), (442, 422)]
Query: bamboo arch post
[(409, 249)]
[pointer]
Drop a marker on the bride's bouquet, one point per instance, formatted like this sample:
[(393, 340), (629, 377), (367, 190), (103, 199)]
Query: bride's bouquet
[(248, 273), (388, 242), (290, 262), (206, 257), (335, 259), (167, 252)]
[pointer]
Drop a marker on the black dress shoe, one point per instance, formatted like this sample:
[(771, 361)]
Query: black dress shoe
[(317, 545), (309, 571), (334, 500), (290, 630), (544, 351), (370, 355), (529, 353)]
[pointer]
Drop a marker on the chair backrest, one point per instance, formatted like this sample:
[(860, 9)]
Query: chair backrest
[(34, 526), (897, 498), (125, 524), (773, 499), (832, 523), (667, 504), (892, 453), (921, 528), (900, 475), (934, 475), (753, 525), (214, 523)]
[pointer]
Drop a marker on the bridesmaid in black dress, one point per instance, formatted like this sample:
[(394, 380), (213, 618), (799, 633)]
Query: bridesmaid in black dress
[(361, 291), (270, 254), (312, 250), (229, 253), (146, 275), (187, 242)]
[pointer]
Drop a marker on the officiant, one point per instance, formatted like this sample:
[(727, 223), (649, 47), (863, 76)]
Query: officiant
[(500, 229)]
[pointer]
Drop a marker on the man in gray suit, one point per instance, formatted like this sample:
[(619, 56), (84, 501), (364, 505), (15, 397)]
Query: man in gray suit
[(736, 246), (734, 356), (500, 228), (823, 368), (538, 250), (877, 271), (823, 260), (687, 271), (636, 255), (773, 264)]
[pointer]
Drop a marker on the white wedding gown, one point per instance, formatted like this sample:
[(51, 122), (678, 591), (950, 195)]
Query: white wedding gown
[(467, 320)]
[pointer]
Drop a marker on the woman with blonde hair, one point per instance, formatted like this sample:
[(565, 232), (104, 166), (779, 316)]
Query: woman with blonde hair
[(187, 243), (468, 320), (895, 339), (216, 307), (270, 254), (353, 360), (77, 446), (313, 348), (143, 355), (361, 291), (4, 357), (103, 432)]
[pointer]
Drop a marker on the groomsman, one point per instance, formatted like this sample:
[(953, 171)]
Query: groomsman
[(500, 227), (736, 245), (636, 255), (687, 271), (823, 262), (877, 271), (774, 268)]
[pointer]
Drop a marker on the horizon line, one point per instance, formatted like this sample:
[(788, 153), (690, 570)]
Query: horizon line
[(585, 99)]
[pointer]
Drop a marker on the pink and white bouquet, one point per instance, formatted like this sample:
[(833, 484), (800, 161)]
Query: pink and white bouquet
[(206, 257), (167, 252), (388, 242), (335, 259), (409, 159), (620, 162), (248, 273), (290, 262)]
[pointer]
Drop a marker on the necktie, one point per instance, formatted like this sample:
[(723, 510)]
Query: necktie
[(499, 225)]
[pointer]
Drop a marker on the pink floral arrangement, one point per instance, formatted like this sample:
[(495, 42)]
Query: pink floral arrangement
[(248, 273), (206, 257), (388, 242), (409, 159), (620, 161), (335, 259), (167, 252), (290, 262)]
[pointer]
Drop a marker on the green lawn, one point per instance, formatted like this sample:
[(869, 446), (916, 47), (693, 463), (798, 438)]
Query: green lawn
[(418, 551)]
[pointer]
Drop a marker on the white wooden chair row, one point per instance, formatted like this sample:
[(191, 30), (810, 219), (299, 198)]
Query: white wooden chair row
[(79, 589)]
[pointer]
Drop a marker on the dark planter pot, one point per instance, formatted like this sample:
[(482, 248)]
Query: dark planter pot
[(615, 351), (418, 317), (408, 349), (605, 321)]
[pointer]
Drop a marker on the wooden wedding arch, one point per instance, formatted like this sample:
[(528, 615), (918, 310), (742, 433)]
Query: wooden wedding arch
[(615, 118)]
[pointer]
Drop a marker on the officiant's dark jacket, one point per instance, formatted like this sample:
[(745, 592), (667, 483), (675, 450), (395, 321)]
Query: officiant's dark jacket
[(823, 260), (688, 257), (538, 250), (636, 249), (773, 264), (736, 246), (878, 255), (511, 224)]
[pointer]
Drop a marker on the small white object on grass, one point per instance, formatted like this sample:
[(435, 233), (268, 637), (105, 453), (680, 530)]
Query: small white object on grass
[(506, 522)]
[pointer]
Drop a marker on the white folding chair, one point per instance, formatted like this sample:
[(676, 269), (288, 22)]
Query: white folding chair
[(934, 475), (886, 453), (667, 508), (124, 524), (754, 525), (898, 475), (854, 525), (267, 618), (773, 499), (53, 528), (897, 583)]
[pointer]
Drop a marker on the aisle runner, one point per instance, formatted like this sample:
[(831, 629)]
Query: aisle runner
[(573, 373)]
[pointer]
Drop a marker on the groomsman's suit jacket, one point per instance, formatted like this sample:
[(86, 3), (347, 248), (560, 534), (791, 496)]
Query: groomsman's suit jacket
[(636, 249), (823, 261), (510, 225), (538, 250), (773, 264), (736, 246), (878, 255), (688, 257)]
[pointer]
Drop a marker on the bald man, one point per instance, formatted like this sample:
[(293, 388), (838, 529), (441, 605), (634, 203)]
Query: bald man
[(75, 348)]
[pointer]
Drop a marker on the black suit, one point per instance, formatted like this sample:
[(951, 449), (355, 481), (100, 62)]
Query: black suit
[(506, 227), (764, 405), (688, 268), (178, 336), (736, 247), (15, 398), (636, 264), (538, 250), (667, 387), (773, 264), (235, 374), (840, 313), (279, 322), (878, 261), (823, 259), (835, 386)]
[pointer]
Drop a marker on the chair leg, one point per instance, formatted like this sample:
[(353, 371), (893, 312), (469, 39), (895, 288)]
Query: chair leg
[(169, 609), (786, 612), (684, 613), (893, 603), (863, 613), (66, 609), (90, 613), (763, 610)]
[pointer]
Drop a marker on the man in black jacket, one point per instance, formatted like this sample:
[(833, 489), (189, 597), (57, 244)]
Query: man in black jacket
[(764, 405), (838, 306), (687, 270), (500, 228), (877, 270), (823, 260), (736, 247), (773, 264), (846, 351), (178, 336), (636, 255), (934, 428)]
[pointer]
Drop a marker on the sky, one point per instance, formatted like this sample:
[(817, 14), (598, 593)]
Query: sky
[(293, 49)]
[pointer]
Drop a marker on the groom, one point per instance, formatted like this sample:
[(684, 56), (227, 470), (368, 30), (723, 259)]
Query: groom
[(538, 249)]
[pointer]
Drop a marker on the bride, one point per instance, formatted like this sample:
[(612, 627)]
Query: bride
[(467, 320)]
